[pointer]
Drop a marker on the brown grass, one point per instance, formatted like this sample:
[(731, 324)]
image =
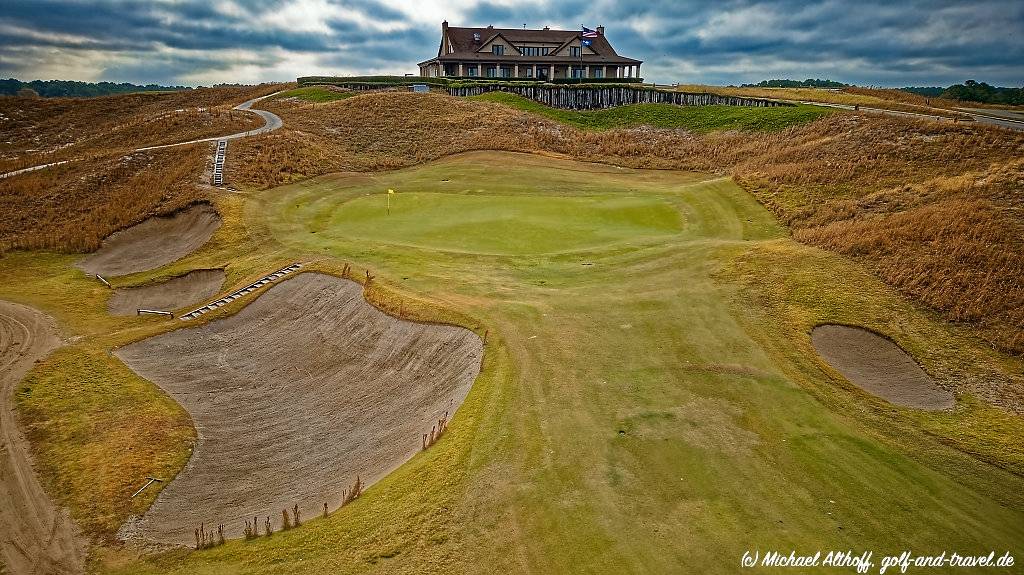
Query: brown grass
[(886, 98), (107, 187), (44, 130), (932, 208), (72, 207)]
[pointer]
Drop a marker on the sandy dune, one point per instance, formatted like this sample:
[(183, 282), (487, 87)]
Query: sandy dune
[(153, 243), (294, 396), (35, 536)]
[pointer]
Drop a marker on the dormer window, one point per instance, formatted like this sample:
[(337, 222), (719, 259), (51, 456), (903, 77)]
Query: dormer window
[(574, 51), (498, 50)]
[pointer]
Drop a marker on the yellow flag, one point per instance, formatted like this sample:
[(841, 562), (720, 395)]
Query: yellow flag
[(390, 191)]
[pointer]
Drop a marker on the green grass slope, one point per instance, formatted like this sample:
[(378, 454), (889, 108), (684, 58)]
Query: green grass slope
[(647, 403), (318, 94), (695, 118)]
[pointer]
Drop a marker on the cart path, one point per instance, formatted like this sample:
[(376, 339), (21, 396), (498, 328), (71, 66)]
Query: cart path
[(271, 122), (976, 115), (36, 537)]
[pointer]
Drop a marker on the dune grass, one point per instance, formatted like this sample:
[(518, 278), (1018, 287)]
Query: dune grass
[(644, 404), (695, 118)]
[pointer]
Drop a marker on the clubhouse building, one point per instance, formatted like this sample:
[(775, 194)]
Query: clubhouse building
[(527, 54)]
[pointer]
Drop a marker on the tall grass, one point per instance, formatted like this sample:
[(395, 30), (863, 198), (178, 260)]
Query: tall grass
[(72, 207)]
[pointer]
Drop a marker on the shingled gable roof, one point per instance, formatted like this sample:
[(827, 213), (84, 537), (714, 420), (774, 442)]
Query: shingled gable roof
[(466, 48)]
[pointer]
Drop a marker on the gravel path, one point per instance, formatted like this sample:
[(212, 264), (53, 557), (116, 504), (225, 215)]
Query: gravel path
[(36, 536)]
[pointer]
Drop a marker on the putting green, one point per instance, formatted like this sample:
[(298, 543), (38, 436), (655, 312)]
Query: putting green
[(502, 224)]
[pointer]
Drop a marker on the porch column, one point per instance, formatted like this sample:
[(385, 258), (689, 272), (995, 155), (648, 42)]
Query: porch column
[(551, 76), (460, 69), (586, 71), (516, 73), (604, 71), (638, 70), (534, 71)]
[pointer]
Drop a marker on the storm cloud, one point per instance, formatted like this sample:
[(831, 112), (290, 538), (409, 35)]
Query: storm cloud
[(200, 42)]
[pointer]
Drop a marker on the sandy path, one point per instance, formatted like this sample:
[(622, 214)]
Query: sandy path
[(155, 242), (35, 536), (175, 293), (294, 396), (879, 366)]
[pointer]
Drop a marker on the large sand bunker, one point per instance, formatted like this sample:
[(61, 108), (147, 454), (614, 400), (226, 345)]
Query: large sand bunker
[(175, 293), (35, 535), (153, 243), (879, 366), (302, 390)]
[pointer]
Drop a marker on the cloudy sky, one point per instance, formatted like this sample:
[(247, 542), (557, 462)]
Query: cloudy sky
[(909, 42)]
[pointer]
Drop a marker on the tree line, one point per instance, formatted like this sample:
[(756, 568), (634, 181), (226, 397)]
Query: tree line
[(808, 83), (972, 91), (74, 89)]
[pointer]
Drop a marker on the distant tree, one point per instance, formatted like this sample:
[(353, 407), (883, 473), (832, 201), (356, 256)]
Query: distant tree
[(926, 91), (974, 91), (73, 89), (808, 83)]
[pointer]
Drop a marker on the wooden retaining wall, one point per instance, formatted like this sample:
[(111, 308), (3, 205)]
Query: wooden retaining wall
[(595, 97)]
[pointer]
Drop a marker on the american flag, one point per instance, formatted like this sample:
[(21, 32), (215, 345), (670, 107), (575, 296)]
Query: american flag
[(588, 33)]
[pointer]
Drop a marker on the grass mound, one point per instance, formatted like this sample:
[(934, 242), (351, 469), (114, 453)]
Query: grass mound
[(318, 94), (695, 118)]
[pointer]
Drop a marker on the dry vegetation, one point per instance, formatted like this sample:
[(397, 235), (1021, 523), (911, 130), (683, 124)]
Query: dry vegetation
[(106, 186), (934, 209), (44, 130), (69, 208), (887, 98)]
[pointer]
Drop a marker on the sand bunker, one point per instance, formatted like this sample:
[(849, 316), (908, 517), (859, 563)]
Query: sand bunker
[(294, 396), (175, 293), (879, 366), (153, 243)]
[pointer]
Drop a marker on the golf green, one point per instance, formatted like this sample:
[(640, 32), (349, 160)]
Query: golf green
[(508, 225)]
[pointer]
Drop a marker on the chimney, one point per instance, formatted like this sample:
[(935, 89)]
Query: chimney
[(600, 30), (490, 27), (547, 27), (444, 25)]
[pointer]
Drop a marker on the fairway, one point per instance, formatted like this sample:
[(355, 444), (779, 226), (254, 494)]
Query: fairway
[(649, 395), (502, 224)]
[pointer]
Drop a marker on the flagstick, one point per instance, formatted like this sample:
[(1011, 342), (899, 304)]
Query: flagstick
[(389, 203)]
